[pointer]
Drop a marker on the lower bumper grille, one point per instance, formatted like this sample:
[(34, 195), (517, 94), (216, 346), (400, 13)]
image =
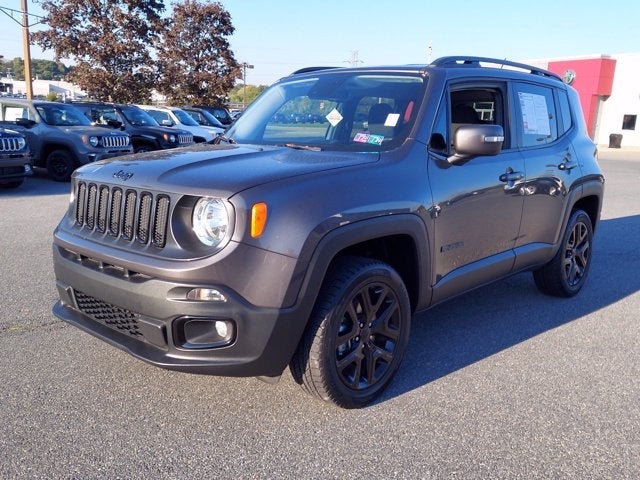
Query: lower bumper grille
[(109, 315)]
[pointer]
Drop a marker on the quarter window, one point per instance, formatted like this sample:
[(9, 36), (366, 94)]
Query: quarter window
[(565, 112)]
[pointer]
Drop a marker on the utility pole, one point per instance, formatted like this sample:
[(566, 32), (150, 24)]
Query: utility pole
[(244, 66), (27, 50)]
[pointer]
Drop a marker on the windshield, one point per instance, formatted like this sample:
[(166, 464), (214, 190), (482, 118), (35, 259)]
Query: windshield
[(184, 117), (205, 118), (334, 111), (62, 115), (138, 117)]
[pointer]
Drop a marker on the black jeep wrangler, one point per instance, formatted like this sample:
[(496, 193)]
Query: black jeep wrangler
[(311, 245)]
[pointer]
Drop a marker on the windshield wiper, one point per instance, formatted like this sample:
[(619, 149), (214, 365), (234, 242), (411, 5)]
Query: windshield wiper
[(303, 147), (223, 138)]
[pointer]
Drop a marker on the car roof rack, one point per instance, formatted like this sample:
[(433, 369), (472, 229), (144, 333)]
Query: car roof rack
[(311, 69), (459, 61)]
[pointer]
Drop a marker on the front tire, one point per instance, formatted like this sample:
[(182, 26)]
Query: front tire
[(60, 165), (567, 272), (357, 334)]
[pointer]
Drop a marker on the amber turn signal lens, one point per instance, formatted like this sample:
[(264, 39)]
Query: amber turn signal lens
[(258, 219)]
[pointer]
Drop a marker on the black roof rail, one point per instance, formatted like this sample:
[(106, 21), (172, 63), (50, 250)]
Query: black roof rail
[(459, 61), (311, 69)]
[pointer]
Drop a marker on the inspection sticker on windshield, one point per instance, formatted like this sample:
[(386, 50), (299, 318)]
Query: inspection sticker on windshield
[(334, 117), (369, 138)]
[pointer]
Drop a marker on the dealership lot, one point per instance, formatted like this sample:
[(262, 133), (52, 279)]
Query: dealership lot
[(503, 382)]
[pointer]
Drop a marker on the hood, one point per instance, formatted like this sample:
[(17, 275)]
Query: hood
[(221, 170), (90, 130)]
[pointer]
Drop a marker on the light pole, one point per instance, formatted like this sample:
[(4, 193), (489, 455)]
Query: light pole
[(244, 66)]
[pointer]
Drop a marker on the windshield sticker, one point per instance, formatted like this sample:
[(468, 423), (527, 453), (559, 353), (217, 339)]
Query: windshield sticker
[(334, 117), (370, 138), (392, 120), (535, 114)]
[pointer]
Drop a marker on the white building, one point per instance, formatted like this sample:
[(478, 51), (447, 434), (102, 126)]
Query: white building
[(41, 88), (609, 93)]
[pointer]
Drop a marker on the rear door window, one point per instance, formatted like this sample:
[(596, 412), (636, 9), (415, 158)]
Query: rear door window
[(536, 118)]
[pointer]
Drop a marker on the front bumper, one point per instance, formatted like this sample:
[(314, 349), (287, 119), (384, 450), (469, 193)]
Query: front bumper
[(95, 156), (143, 316), (13, 168)]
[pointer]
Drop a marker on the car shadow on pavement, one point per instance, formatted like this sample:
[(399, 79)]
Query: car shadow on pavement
[(479, 324), (38, 184)]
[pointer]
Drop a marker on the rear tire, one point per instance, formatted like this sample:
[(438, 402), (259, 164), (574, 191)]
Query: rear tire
[(357, 334), (60, 165), (567, 272)]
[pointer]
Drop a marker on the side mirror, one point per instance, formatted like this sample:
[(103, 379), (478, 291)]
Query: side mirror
[(476, 140), (166, 123), (25, 122)]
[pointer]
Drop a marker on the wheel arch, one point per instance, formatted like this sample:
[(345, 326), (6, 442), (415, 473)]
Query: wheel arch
[(49, 147), (398, 240)]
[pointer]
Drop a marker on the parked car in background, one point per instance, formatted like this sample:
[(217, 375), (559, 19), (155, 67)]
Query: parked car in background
[(59, 136), (178, 118), (235, 113), (203, 117), (15, 159), (146, 134), (220, 112)]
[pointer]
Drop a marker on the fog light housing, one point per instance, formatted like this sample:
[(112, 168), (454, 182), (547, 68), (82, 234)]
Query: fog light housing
[(206, 295), (202, 333)]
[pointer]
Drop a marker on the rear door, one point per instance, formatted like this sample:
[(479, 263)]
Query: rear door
[(545, 130)]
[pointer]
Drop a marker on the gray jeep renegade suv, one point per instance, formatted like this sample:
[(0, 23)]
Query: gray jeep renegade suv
[(312, 244), (60, 137)]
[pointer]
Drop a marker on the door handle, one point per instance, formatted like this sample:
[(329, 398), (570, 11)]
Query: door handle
[(511, 176), (567, 164)]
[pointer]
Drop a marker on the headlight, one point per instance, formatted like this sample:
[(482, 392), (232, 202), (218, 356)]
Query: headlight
[(21, 143), (93, 141), (170, 137), (211, 221)]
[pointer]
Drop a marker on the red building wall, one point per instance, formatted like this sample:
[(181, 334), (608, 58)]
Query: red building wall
[(593, 79)]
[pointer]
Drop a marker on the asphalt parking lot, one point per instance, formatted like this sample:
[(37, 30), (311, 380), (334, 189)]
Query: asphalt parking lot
[(503, 382)]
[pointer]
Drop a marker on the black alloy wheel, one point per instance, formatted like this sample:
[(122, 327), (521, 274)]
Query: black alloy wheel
[(60, 165), (567, 272), (357, 335)]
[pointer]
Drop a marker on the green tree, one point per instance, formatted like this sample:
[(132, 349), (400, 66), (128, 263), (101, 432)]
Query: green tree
[(195, 63), (17, 68), (108, 41), (237, 93)]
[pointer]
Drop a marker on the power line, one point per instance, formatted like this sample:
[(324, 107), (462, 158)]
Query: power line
[(10, 12)]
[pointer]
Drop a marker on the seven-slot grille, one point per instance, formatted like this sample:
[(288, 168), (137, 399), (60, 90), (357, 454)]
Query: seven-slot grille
[(185, 139), (9, 144), (111, 141), (122, 213)]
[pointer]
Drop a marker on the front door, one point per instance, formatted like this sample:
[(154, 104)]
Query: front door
[(477, 206)]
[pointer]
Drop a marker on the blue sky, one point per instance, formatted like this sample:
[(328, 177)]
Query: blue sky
[(280, 36)]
